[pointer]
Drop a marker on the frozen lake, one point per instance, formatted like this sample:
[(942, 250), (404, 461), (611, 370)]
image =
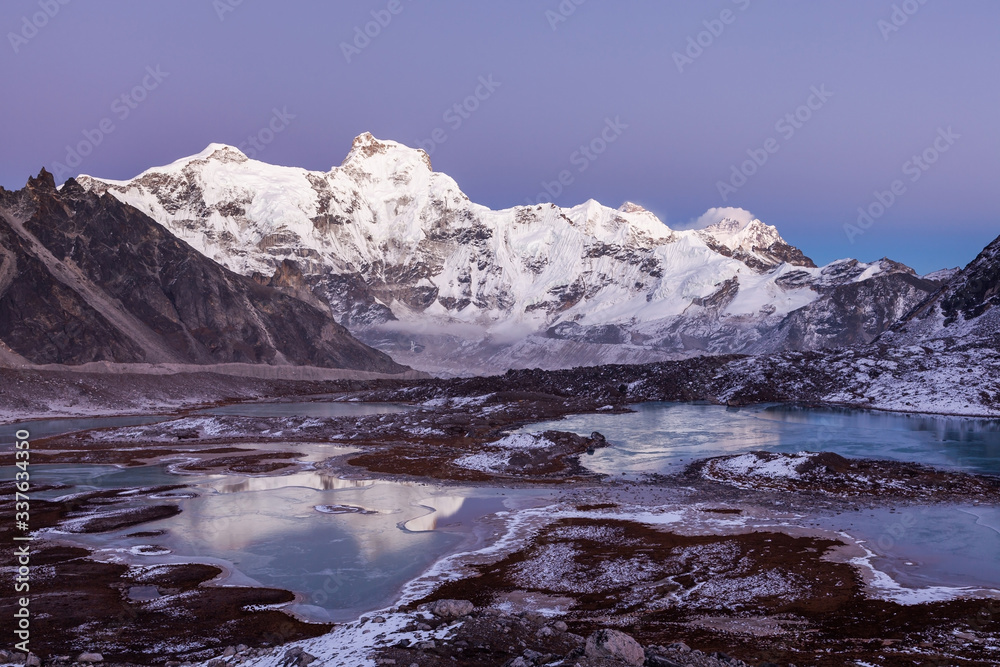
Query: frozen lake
[(348, 545), (665, 437)]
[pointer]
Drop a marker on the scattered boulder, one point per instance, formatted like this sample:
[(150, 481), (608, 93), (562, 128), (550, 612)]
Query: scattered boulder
[(656, 660), (90, 657), (296, 657), (452, 608), (608, 643)]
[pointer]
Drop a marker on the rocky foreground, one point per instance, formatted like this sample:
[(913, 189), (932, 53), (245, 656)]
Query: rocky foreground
[(449, 632), (709, 559)]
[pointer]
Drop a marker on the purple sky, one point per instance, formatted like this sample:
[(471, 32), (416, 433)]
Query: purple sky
[(689, 122)]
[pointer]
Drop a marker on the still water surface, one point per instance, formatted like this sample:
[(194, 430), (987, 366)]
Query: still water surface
[(346, 545), (664, 437), (349, 545)]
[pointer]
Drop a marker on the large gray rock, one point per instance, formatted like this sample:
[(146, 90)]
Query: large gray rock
[(614, 644), (90, 657), (451, 608)]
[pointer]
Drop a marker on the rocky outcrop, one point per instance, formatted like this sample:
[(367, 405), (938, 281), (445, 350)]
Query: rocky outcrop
[(757, 245), (967, 295), (849, 314), (84, 277)]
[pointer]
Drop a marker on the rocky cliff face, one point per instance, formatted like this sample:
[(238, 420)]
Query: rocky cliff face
[(85, 277), (855, 313), (962, 313), (405, 260)]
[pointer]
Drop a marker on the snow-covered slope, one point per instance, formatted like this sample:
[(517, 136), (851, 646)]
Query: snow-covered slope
[(406, 261)]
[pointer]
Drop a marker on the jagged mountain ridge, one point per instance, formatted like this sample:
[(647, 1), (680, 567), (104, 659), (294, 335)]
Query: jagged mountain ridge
[(85, 277), (963, 311), (402, 257)]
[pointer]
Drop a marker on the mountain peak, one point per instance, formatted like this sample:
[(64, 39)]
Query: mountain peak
[(44, 181), (732, 216), (730, 225), (743, 231), (631, 207), (736, 227), (122, 261), (740, 232), (220, 152), (366, 147)]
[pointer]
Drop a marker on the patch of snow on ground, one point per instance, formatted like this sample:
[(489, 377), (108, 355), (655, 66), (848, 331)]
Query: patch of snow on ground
[(553, 567), (752, 465), (353, 643), (484, 461), (523, 441), (207, 427), (457, 402), (497, 457)]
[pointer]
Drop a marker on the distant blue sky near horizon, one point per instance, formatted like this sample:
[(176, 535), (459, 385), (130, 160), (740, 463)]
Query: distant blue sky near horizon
[(686, 94)]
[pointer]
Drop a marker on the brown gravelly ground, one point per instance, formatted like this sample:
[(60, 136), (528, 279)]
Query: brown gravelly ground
[(714, 592)]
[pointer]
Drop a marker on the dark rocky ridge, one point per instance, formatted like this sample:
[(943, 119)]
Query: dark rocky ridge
[(775, 253), (850, 314), (976, 289), (87, 278), (971, 294)]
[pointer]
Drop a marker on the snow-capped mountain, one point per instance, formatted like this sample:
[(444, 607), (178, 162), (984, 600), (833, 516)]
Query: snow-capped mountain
[(85, 278), (404, 259)]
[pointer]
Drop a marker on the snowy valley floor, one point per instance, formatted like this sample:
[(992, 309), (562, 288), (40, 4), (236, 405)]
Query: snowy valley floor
[(728, 556)]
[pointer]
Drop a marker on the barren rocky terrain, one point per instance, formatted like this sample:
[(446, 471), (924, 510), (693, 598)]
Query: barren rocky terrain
[(703, 568)]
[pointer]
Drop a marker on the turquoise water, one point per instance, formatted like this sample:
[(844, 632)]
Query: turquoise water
[(664, 437)]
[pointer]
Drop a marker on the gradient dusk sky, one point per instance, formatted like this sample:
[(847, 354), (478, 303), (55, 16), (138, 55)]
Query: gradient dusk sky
[(696, 89)]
